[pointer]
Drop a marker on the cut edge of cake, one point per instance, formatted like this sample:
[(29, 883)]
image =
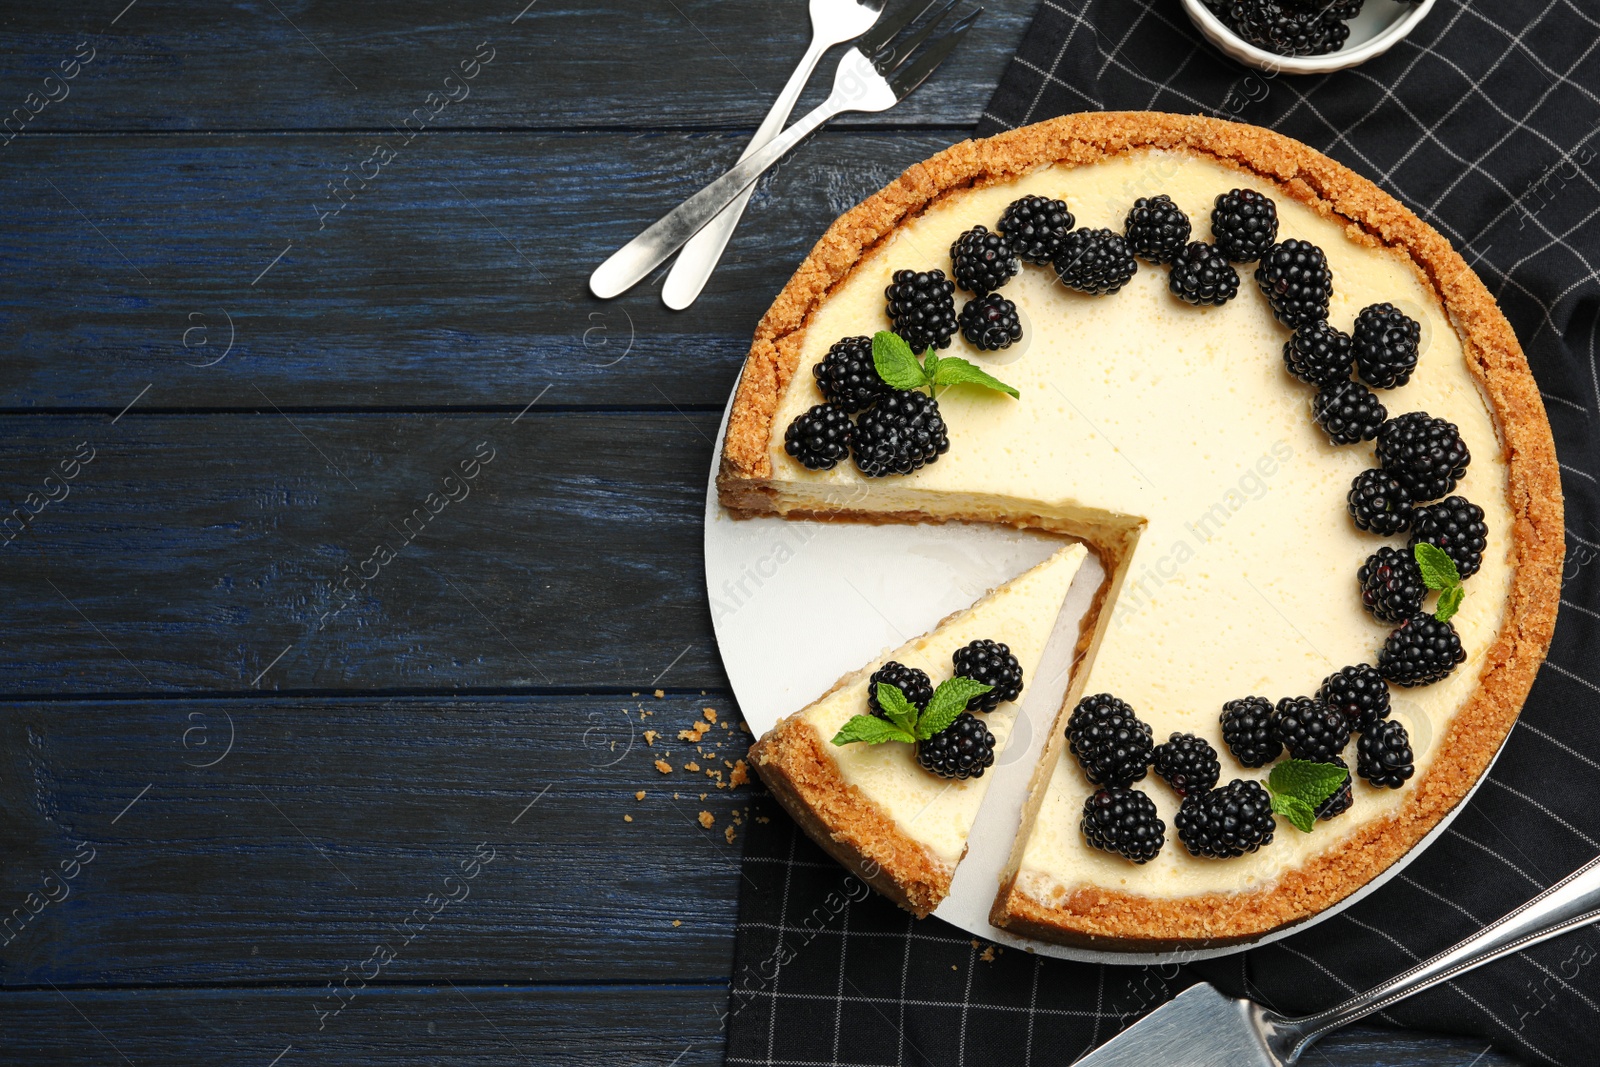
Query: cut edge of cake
[(794, 761)]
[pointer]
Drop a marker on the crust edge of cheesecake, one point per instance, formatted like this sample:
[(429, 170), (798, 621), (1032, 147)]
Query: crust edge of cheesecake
[(793, 764), (1109, 919)]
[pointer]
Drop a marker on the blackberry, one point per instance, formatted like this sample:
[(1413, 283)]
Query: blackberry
[(1108, 739), (1383, 755), (1422, 650), (993, 664), (1391, 585), (1349, 412), (1244, 224), (1123, 821), (1227, 822), (964, 749), (916, 686), (1295, 279), (903, 432), (1310, 729), (922, 308), (1455, 524), (1318, 354), (1156, 228), (1247, 730), (1358, 693), (1425, 454), (990, 322), (1386, 345), (1097, 262), (1342, 798), (1378, 503), (982, 261), (1286, 30), (1202, 276), (1188, 764), (1036, 226), (820, 438), (847, 375)]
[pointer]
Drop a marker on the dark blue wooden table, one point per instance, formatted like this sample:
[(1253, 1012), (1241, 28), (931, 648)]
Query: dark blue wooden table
[(352, 551)]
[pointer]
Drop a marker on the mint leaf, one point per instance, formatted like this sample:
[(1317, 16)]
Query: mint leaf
[(1311, 783), (872, 730), (900, 711), (1438, 569), (1297, 811), (895, 362), (953, 370), (930, 365), (949, 700), (1449, 602)]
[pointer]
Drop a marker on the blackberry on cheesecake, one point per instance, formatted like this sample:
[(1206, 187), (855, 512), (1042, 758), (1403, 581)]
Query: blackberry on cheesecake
[(922, 308), (1036, 226), (1244, 224), (1112, 745), (1096, 262), (1156, 228), (991, 663), (1226, 822), (1125, 822)]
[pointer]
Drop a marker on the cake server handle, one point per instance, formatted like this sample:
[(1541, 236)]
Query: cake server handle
[(1570, 903)]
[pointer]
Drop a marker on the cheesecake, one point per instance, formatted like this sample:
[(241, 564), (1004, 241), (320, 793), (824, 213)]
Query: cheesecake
[(900, 826), (1171, 439)]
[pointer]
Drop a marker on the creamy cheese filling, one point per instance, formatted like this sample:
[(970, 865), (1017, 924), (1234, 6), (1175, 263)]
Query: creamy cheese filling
[(1140, 414), (935, 811)]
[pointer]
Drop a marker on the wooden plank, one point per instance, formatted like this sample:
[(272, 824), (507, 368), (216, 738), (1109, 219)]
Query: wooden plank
[(484, 837), (231, 552), (687, 63), (463, 1022), (459, 277), (469, 1023)]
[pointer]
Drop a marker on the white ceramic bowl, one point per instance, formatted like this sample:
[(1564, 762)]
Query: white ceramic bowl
[(1381, 24)]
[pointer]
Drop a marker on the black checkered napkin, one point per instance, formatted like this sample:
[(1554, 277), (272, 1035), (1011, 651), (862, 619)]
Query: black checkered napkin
[(1484, 121)]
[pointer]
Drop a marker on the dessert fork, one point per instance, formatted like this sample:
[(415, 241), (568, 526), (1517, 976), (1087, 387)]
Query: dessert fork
[(870, 77), (832, 22), (1201, 1027)]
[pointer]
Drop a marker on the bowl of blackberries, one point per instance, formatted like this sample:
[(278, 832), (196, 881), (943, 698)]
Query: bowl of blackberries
[(1305, 36)]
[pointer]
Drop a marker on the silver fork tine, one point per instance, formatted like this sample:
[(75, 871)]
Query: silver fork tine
[(908, 79), (883, 31), (902, 50)]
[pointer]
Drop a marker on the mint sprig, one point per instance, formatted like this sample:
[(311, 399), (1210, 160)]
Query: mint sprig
[(898, 365), (905, 723), (1439, 572), (1298, 786)]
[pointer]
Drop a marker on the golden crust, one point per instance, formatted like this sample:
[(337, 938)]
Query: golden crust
[(1109, 919), (855, 831)]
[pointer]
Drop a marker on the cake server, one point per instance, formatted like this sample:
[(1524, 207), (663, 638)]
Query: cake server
[(1201, 1027), (872, 76), (832, 22)]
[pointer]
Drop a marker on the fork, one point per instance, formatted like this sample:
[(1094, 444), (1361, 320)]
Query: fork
[(832, 22), (1201, 1027), (870, 77)]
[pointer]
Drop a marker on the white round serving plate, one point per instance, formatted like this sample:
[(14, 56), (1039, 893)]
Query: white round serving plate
[(1380, 26), (840, 593)]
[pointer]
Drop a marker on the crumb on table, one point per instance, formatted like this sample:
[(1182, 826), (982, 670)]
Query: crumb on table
[(663, 766), (706, 819)]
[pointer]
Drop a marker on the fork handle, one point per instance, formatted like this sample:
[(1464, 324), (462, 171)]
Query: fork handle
[(704, 250), (630, 263), (1570, 903)]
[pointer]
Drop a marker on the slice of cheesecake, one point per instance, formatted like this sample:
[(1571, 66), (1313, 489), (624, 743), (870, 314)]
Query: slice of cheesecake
[(902, 828)]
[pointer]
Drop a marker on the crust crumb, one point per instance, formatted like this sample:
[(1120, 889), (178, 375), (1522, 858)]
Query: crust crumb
[(650, 738), (627, 818), (728, 834), (709, 713), (706, 819), (639, 795), (691, 766), (740, 775), (663, 766)]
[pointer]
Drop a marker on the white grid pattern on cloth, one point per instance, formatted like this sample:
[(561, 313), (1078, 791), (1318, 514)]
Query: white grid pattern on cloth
[(1465, 122)]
